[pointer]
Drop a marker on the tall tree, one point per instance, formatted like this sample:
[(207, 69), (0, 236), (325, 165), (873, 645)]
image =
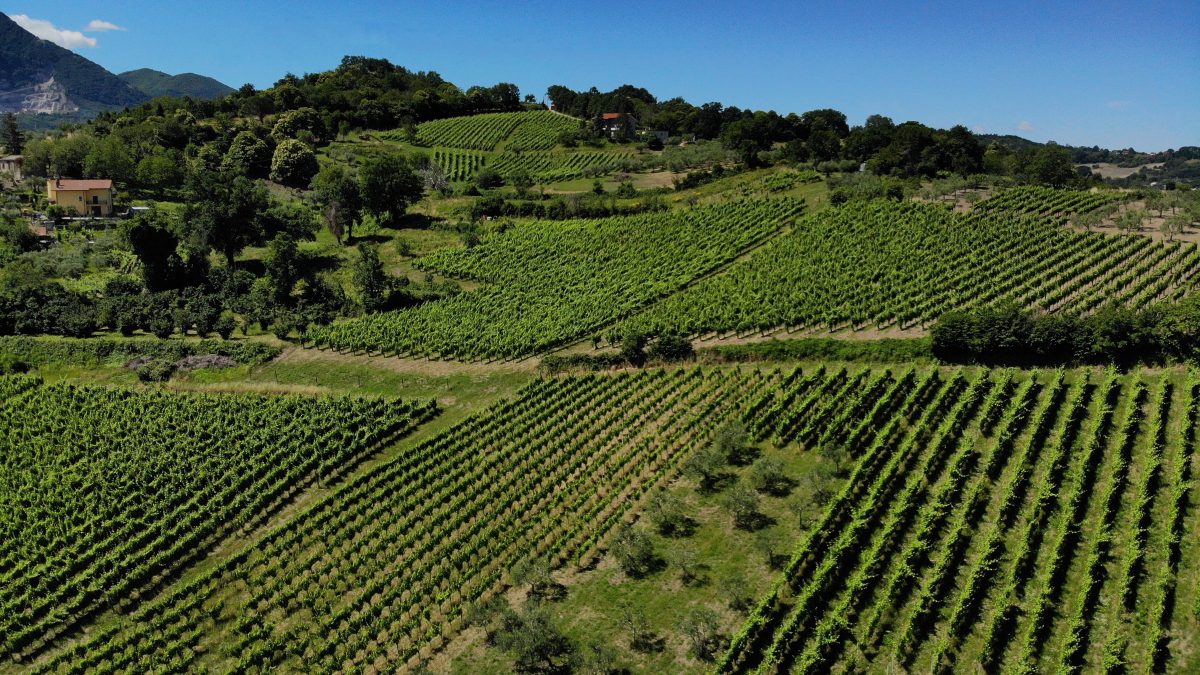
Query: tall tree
[(11, 136), (341, 196), (389, 184)]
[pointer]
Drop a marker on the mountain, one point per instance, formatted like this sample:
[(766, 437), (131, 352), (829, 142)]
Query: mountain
[(155, 83), (38, 76)]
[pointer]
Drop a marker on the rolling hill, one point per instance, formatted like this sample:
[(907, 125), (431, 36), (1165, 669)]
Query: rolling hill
[(154, 83)]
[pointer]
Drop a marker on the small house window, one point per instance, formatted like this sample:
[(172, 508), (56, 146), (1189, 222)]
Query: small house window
[(95, 199)]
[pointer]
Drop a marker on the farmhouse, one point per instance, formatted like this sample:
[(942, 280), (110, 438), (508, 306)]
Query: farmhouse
[(11, 165), (617, 125), (81, 197)]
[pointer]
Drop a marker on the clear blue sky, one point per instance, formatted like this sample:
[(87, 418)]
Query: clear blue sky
[(1114, 74)]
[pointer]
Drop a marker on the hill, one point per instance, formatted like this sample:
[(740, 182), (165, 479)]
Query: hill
[(37, 76), (156, 83)]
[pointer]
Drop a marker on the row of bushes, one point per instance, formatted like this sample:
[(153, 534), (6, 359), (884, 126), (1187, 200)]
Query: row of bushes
[(890, 350), (1124, 337), (562, 208), (100, 351)]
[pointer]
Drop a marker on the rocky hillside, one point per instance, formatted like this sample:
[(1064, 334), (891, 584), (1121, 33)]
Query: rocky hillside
[(37, 76)]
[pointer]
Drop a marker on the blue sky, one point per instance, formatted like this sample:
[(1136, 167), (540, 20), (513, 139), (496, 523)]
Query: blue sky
[(1114, 74)]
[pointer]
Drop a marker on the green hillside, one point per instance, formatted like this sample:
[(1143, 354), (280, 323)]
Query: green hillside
[(155, 83)]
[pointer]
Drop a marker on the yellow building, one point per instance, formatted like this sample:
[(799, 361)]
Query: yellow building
[(81, 197)]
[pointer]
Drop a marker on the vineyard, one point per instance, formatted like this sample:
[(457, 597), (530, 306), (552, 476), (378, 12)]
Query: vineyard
[(379, 574), (543, 167), (996, 523), (1005, 520), (1049, 203), (547, 167), (104, 491), (884, 263), (536, 130), (549, 282)]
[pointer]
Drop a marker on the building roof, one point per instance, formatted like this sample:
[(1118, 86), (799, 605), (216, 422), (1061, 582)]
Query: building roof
[(75, 184), (11, 158), (612, 116)]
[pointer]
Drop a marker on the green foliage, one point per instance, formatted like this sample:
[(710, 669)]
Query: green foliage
[(11, 136), (1007, 335), (371, 281), (248, 155), (388, 185), (634, 551), (294, 164)]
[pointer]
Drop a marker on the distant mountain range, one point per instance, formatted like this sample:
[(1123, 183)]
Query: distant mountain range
[(155, 83), (49, 84)]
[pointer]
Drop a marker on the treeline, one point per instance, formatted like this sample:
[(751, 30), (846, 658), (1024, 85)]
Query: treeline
[(908, 149), (1012, 336), (565, 207), (155, 147), (19, 353)]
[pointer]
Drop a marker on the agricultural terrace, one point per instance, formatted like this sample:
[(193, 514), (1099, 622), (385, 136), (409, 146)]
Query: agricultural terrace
[(547, 283), (380, 573), (883, 263), (995, 522), (104, 490)]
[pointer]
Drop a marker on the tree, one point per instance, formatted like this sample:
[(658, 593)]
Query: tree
[(150, 238), (706, 465), (1050, 165), (294, 164), (388, 185), (772, 545), (768, 476), (1130, 221), (522, 181), (701, 628), (535, 572), (1174, 226), (370, 279), (227, 213), (248, 155), (10, 135), (732, 443), (535, 642), (634, 551), (341, 196), (666, 512), (743, 505), (283, 265), (689, 565), (633, 348), (642, 637)]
